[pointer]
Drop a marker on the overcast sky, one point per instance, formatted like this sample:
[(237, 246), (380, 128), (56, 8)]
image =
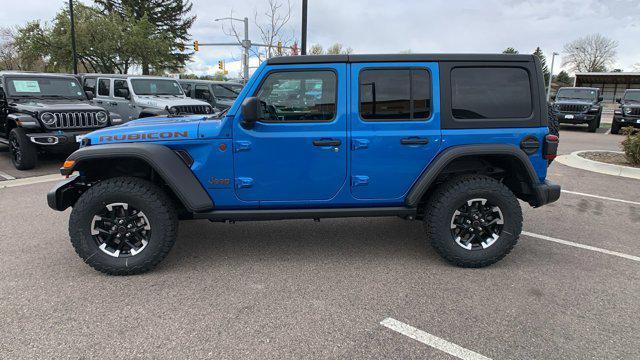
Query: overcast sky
[(430, 26)]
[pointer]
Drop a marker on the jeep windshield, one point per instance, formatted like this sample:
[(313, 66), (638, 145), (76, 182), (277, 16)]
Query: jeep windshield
[(156, 87), (632, 96), (227, 91), (576, 94), (44, 88)]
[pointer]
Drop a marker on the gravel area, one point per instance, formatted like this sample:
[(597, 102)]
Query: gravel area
[(607, 157)]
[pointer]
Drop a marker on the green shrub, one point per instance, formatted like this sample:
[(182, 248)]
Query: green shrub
[(631, 145)]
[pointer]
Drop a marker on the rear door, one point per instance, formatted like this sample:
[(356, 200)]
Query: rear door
[(120, 105), (395, 127)]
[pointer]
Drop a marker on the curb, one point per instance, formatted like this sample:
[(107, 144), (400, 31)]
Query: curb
[(30, 180), (578, 162)]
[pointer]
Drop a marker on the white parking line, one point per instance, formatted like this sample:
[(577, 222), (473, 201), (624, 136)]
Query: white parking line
[(432, 340), (6, 176), (582, 246), (601, 197), (31, 180)]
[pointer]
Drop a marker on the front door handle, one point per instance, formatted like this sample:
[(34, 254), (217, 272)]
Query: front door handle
[(113, 103), (414, 141), (327, 142)]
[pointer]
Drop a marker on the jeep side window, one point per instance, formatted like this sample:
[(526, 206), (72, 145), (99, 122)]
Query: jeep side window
[(395, 94), (299, 96), (490, 93), (186, 87), (104, 87), (203, 93), (90, 85), (118, 87)]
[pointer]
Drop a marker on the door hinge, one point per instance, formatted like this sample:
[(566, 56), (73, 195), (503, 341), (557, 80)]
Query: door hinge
[(244, 182), (359, 180), (359, 144), (241, 145)]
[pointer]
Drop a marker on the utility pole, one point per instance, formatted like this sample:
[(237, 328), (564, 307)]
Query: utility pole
[(553, 57), (73, 38), (246, 45), (304, 28)]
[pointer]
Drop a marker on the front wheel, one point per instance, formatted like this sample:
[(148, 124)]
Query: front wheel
[(593, 125), (123, 226), (24, 153), (473, 221)]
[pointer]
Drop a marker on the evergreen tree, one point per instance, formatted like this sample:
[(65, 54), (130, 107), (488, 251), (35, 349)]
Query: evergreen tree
[(563, 78), (510, 51), (543, 61), (170, 17)]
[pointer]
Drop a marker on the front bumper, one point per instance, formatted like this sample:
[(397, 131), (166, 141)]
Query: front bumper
[(626, 121), (64, 194), (580, 118), (546, 193), (63, 138)]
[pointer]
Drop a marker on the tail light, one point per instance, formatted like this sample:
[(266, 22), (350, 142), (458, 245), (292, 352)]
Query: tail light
[(550, 149)]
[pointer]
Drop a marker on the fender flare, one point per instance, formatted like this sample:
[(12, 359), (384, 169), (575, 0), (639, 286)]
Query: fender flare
[(429, 175), (153, 111), (163, 160)]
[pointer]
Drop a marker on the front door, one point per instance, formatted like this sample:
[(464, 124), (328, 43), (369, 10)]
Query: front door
[(395, 127), (297, 152)]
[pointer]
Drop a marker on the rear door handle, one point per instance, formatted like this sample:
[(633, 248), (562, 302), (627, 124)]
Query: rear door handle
[(327, 142), (113, 103), (414, 141)]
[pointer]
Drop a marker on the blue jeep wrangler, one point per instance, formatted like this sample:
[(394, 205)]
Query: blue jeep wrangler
[(451, 140)]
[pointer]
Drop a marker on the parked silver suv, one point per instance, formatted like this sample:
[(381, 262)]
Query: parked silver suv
[(138, 96), (220, 94)]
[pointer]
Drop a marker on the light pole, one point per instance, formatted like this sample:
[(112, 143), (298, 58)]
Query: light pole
[(304, 28), (246, 45), (553, 57), (73, 38)]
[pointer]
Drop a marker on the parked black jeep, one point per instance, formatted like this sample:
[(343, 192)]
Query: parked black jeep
[(44, 112), (579, 105), (629, 113)]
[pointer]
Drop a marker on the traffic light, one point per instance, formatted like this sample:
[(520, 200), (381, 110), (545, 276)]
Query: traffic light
[(181, 46), (221, 64), (196, 45)]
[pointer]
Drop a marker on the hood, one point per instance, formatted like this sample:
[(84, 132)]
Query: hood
[(156, 129), (575, 101), (54, 106), (162, 101)]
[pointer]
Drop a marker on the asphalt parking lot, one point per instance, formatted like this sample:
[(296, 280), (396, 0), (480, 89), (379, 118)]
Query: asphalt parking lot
[(301, 289)]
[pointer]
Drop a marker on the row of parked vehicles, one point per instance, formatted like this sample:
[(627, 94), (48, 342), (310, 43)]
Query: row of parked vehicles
[(583, 105), (52, 112)]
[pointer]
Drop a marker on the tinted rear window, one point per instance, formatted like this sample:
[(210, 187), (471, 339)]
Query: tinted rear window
[(490, 93), (395, 94)]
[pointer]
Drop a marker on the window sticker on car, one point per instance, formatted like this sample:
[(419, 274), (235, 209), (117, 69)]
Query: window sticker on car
[(26, 86)]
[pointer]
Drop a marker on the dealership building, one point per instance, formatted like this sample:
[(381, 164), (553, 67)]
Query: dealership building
[(612, 84)]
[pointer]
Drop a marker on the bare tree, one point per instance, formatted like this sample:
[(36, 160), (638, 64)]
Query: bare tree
[(272, 28), (9, 54), (636, 67), (592, 53), (335, 49), (316, 49)]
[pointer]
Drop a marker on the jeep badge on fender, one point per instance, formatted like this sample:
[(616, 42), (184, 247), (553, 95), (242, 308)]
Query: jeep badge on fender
[(417, 136)]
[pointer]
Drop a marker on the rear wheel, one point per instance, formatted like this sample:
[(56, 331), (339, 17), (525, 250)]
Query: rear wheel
[(24, 153), (123, 226), (473, 221)]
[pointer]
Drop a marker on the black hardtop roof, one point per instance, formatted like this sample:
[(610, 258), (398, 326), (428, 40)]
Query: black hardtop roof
[(35, 74), (579, 88), (125, 76), (312, 59), (202, 81)]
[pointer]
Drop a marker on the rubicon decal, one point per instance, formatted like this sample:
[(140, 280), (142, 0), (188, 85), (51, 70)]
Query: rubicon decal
[(146, 136)]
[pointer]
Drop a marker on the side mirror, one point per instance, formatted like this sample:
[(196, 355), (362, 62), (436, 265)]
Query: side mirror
[(600, 98), (89, 94), (619, 100), (251, 112)]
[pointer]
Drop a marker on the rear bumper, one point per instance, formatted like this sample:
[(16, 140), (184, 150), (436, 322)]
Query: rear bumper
[(546, 193)]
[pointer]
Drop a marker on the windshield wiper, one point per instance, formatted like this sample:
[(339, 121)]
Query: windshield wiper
[(62, 97)]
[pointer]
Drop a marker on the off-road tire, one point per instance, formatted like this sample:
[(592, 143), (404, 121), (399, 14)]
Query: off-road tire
[(447, 198), (552, 122), (615, 128), (28, 150), (593, 126), (139, 193)]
